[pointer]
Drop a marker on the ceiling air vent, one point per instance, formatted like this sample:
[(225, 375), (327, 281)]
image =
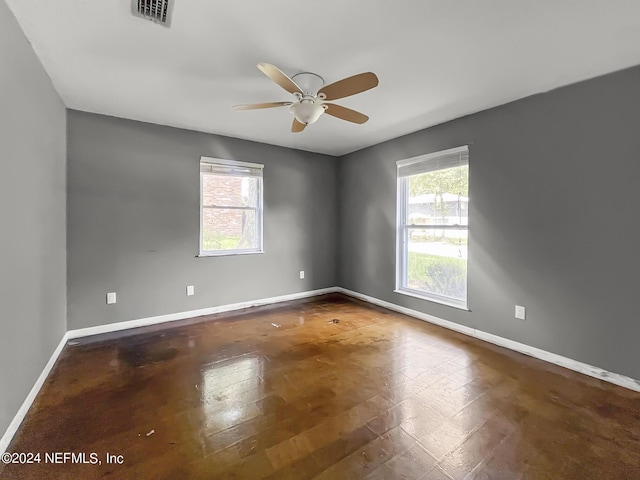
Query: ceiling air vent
[(158, 11)]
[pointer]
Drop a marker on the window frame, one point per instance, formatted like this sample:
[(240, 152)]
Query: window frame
[(403, 228), (259, 209)]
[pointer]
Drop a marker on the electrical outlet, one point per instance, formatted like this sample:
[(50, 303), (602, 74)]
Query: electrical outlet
[(190, 290), (111, 298), (520, 312), (301, 274)]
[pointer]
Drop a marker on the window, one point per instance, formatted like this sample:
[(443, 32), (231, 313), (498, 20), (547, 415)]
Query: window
[(230, 207), (433, 226)]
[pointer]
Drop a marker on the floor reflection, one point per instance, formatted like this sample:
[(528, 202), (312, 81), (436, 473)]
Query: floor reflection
[(229, 391), (376, 395)]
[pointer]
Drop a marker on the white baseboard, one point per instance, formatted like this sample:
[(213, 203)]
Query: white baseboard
[(575, 365), (569, 363), (114, 327), (26, 405), (143, 322)]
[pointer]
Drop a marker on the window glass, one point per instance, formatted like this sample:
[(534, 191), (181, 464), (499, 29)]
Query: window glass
[(231, 208), (433, 230)]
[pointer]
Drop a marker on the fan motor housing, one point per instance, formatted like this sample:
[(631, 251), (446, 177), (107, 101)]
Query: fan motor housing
[(309, 82)]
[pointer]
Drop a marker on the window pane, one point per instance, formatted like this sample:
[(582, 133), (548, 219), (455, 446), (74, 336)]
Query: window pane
[(229, 191), (437, 261), (440, 197), (229, 229)]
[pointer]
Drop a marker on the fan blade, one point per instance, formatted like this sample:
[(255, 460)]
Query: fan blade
[(345, 113), (275, 74), (253, 106), (297, 126), (350, 86)]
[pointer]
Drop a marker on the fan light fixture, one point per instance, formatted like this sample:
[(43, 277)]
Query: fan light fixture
[(312, 96), (307, 112)]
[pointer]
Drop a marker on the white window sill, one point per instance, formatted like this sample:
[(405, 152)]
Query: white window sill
[(434, 299), (227, 253)]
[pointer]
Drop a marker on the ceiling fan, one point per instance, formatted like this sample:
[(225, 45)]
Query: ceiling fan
[(312, 96)]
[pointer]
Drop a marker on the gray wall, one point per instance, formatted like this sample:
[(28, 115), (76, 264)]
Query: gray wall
[(32, 215), (133, 221), (555, 192)]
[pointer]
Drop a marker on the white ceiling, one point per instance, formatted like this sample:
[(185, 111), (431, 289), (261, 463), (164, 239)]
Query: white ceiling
[(436, 59)]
